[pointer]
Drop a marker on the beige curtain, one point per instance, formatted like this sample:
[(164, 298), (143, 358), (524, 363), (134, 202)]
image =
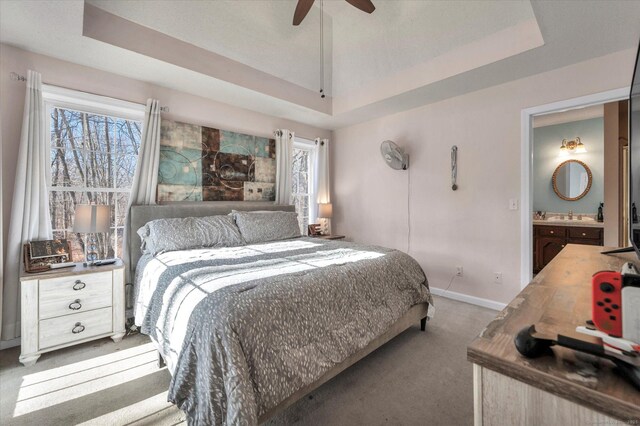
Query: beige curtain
[(1, 230), (284, 157), (322, 179), (30, 217), (145, 178)]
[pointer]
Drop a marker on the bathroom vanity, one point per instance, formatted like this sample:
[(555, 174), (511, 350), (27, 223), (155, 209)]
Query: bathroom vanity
[(571, 181), (551, 236)]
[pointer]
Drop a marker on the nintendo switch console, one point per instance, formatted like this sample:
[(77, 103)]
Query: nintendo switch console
[(616, 303)]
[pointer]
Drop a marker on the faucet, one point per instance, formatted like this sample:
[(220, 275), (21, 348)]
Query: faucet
[(570, 214)]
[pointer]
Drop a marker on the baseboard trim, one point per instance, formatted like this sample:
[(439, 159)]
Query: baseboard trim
[(6, 344), (485, 303)]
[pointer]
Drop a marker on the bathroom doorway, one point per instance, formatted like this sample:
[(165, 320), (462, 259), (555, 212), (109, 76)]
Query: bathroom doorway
[(573, 159)]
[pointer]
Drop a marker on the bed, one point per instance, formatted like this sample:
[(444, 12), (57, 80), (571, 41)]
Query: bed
[(247, 330)]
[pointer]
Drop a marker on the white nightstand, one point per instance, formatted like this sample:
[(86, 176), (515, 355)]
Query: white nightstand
[(65, 307)]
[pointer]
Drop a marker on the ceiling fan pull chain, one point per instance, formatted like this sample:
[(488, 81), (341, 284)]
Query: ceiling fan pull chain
[(322, 49)]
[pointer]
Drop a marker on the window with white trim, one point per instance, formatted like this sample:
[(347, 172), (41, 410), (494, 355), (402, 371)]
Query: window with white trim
[(302, 175), (94, 144)]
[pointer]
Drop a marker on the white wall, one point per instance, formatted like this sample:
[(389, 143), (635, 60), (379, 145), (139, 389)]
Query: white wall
[(183, 107), (472, 226)]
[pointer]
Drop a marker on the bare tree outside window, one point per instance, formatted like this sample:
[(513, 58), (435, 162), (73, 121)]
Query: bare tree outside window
[(93, 159), (301, 185)]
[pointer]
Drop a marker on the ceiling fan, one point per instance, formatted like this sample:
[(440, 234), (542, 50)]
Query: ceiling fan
[(304, 6)]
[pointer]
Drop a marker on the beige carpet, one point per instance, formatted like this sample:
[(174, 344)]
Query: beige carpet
[(417, 378)]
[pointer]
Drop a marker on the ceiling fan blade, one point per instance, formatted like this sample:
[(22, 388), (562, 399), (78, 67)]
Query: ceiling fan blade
[(302, 8), (364, 5)]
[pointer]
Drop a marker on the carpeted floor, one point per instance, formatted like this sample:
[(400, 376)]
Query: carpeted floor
[(417, 378)]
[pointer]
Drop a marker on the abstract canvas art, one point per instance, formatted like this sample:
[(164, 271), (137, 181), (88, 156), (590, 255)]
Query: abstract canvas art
[(200, 163)]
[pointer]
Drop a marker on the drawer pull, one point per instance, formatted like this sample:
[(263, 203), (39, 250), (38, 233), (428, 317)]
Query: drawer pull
[(79, 285), (79, 328), (584, 234), (551, 232), (75, 305)]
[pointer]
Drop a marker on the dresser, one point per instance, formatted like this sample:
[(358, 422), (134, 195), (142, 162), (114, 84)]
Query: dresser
[(64, 307), (562, 387)]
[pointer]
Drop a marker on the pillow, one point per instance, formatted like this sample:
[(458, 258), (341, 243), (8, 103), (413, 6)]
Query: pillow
[(263, 226), (162, 235), (143, 232)]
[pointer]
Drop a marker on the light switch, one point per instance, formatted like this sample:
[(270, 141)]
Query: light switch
[(513, 204)]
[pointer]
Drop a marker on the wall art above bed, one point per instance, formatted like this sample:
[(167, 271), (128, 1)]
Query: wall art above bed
[(200, 163)]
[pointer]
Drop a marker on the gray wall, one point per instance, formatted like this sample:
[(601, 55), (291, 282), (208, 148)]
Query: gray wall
[(546, 150)]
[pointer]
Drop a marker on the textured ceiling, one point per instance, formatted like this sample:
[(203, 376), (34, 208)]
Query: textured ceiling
[(398, 35), (255, 33), (401, 35), (406, 54)]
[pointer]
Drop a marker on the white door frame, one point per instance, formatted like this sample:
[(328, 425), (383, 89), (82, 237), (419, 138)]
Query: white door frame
[(526, 150)]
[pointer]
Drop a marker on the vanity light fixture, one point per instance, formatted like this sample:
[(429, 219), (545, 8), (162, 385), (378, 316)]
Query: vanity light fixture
[(572, 146)]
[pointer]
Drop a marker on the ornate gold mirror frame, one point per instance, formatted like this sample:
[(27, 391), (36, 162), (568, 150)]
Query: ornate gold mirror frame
[(555, 186)]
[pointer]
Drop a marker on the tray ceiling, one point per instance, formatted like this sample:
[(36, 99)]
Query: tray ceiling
[(247, 53)]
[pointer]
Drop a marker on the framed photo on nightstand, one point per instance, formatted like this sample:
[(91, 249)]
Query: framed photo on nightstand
[(40, 255), (314, 229)]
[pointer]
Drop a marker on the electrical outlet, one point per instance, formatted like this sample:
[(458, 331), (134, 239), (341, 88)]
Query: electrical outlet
[(458, 271), (513, 204), (497, 277)]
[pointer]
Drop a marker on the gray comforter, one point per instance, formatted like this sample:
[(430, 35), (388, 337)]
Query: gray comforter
[(243, 328)]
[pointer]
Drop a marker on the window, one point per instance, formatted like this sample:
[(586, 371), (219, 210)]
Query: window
[(94, 149), (302, 173)]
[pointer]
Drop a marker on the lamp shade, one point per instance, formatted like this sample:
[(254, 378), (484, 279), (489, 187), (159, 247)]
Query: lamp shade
[(91, 218), (325, 210)]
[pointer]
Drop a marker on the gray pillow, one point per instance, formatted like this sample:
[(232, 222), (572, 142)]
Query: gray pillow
[(263, 226), (162, 235)]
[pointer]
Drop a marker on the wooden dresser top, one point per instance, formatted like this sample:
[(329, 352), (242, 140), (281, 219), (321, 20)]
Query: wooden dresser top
[(557, 301)]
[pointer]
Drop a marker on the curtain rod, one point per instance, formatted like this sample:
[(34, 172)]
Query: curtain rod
[(17, 77), (279, 133)]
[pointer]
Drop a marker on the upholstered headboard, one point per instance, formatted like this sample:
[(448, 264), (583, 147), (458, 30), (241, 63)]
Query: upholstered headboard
[(143, 214)]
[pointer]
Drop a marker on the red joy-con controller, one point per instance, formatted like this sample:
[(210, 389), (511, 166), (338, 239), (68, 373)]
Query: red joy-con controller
[(607, 302)]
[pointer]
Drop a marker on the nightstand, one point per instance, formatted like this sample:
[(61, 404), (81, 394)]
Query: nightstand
[(64, 307), (330, 237)]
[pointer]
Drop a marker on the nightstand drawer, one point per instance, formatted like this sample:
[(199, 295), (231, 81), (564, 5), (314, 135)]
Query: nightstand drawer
[(69, 328), (73, 294)]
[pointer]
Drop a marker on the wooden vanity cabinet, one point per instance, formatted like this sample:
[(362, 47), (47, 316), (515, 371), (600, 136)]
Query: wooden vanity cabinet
[(548, 241)]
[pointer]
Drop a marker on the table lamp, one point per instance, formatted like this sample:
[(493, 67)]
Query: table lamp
[(325, 211), (91, 219)]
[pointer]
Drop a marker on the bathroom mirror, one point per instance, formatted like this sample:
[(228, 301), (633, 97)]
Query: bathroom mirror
[(572, 180)]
